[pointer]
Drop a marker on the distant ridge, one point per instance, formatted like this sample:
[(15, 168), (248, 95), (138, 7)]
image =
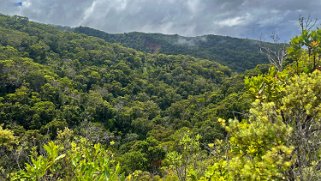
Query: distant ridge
[(238, 54)]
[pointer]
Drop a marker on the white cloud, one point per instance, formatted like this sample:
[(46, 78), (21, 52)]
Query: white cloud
[(231, 22), (26, 3), (122, 4), (89, 11), (193, 6)]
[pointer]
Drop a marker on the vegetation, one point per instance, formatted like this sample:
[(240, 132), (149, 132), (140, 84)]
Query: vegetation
[(136, 105), (74, 107), (238, 54)]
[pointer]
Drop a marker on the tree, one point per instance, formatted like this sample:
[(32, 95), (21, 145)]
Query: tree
[(297, 103), (308, 39), (301, 109), (276, 56), (7, 139), (186, 160), (257, 147), (7, 143), (75, 160)]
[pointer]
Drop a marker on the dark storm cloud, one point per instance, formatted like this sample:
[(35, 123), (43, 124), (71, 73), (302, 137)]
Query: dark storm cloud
[(240, 18)]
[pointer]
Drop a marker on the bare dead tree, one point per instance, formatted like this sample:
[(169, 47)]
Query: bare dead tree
[(276, 56), (307, 23)]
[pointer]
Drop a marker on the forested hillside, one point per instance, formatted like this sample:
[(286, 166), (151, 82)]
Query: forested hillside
[(138, 105), (75, 107), (238, 54)]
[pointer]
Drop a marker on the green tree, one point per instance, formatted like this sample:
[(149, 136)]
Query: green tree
[(75, 160), (257, 148), (186, 160)]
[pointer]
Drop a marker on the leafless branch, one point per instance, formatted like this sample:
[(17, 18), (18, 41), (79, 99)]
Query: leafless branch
[(275, 56), (307, 23)]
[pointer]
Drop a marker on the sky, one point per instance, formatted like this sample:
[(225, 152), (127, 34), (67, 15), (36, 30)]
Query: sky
[(255, 19)]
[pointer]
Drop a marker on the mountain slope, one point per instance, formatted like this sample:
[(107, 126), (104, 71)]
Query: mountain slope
[(238, 54), (51, 79)]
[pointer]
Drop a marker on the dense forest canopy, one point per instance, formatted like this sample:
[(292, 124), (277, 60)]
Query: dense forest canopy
[(75, 107), (238, 54)]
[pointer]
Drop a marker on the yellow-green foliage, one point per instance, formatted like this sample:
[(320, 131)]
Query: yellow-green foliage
[(303, 92), (257, 147), (7, 139), (134, 108), (79, 160), (279, 140)]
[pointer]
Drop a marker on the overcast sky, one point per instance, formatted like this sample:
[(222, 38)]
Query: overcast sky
[(237, 18)]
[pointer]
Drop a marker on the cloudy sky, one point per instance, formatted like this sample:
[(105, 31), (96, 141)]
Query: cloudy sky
[(238, 18)]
